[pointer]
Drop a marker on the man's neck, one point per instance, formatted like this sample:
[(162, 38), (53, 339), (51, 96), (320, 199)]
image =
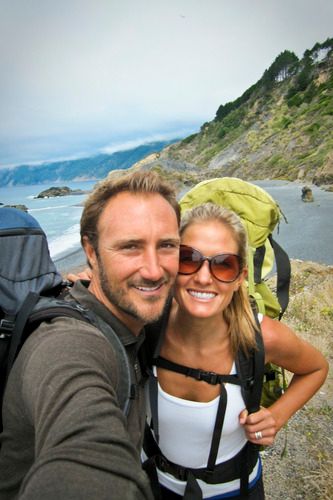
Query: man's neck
[(133, 324)]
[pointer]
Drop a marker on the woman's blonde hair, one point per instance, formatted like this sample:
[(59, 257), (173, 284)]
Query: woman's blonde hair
[(239, 314)]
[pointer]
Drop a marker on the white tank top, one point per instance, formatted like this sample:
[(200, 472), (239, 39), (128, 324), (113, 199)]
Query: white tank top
[(186, 429)]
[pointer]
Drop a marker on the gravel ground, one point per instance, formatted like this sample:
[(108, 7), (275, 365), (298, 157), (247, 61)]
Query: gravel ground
[(306, 470)]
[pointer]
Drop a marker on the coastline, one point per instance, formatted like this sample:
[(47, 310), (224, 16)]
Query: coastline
[(71, 263), (306, 224)]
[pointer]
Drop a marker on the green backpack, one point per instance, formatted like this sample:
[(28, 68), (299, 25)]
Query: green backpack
[(260, 214)]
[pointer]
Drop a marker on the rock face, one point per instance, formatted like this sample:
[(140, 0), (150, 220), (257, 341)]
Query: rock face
[(59, 191), (307, 195)]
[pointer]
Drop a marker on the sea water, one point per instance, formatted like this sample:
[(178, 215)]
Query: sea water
[(58, 216), (308, 235)]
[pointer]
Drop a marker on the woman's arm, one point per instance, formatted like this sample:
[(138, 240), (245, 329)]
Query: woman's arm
[(285, 349)]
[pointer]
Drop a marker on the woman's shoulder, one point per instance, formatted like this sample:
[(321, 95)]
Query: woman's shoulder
[(277, 336)]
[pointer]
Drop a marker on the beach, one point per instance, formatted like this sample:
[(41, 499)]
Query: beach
[(72, 263), (308, 234)]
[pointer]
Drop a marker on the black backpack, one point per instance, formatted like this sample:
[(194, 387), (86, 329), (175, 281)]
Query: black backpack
[(32, 291), (250, 376)]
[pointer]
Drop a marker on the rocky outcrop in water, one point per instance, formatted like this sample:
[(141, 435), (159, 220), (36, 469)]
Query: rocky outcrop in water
[(59, 191)]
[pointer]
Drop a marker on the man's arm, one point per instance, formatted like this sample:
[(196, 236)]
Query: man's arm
[(82, 446)]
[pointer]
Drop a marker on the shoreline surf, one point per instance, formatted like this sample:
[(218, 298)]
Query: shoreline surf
[(307, 236)]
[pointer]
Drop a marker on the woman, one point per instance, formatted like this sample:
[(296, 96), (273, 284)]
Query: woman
[(200, 441)]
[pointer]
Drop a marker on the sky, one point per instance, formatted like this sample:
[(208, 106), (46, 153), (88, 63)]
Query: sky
[(83, 77)]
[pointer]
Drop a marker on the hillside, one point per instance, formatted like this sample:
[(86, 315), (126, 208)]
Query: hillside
[(90, 168), (280, 128)]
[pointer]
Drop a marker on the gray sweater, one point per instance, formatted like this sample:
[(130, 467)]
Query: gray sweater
[(65, 436)]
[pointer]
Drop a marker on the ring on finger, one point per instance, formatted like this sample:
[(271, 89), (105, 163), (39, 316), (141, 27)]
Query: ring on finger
[(258, 435)]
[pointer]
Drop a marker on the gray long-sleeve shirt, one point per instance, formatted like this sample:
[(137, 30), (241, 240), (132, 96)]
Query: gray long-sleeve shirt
[(65, 436)]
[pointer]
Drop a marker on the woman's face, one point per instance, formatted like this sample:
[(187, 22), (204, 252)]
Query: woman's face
[(200, 294)]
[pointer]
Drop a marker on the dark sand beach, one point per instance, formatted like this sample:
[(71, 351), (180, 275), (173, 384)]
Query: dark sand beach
[(73, 263)]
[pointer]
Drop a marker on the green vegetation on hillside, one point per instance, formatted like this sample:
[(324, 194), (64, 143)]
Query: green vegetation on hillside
[(281, 127)]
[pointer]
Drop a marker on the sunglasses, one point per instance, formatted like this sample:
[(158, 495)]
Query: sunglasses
[(225, 267)]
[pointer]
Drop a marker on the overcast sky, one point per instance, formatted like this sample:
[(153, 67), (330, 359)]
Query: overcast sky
[(80, 77)]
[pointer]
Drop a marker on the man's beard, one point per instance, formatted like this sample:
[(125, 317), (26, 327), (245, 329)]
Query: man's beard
[(118, 297)]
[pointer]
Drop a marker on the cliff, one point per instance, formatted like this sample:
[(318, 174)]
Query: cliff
[(280, 128)]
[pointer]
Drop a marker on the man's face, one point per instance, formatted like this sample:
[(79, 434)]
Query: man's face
[(137, 262)]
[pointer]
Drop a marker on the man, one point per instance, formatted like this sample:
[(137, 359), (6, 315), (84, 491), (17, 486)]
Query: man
[(65, 436)]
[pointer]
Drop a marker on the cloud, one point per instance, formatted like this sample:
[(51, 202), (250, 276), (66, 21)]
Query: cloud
[(78, 75)]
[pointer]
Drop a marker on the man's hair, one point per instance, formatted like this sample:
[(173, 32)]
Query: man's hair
[(136, 182)]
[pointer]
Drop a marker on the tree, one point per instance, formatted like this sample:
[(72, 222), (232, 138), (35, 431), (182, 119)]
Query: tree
[(284, 66)]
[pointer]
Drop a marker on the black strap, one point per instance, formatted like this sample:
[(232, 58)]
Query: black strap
[(219, 421), (20, 321), (250, 376), (7, 326), (258, 260), (251, 367), (283, 272), (223, 472), (238, 467), (192, 489), (258, 375), (153, 397), (149, 466), (209, 377), (244, 470)]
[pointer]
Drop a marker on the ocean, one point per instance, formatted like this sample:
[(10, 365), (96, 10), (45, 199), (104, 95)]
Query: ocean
[(59, 217), (308, 235)]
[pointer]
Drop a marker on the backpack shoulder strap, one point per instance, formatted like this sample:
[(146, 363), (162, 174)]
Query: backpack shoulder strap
[(250, 368), (16, 336), (126, 386), (211, 378), (283, 272), (48, 308)]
